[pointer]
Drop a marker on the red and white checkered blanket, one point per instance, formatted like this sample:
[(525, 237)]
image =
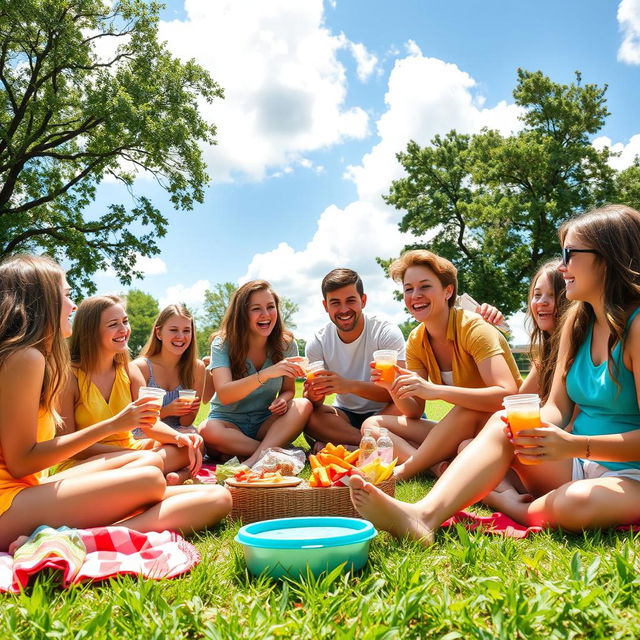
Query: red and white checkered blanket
[(96, 554)]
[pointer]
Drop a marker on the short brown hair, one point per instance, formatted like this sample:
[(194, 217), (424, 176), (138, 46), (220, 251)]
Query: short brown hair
[(444, 270), (339, 278)]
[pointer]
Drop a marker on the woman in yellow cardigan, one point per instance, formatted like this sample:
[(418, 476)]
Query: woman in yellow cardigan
[(452, 355)]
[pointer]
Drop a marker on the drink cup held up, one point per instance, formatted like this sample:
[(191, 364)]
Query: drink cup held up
[(156, 394), (523, 412), (313, 367), (187, 395), (385, 362)]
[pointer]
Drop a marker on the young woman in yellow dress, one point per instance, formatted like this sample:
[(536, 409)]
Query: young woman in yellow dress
[(103, 385), (124, 488)]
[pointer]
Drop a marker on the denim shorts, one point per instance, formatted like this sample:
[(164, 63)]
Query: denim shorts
[(248, 423)]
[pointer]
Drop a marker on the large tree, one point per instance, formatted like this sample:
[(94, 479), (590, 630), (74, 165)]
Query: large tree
[(88, 92), (492, 204)]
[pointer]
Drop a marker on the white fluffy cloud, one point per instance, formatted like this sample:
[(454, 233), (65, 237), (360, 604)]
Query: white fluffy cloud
[(148, 266), (425, 96), (192, 296), (629, 21), (628, 152), (285, 88)]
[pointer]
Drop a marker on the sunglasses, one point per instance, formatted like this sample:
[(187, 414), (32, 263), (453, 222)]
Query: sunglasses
[(566, 253)]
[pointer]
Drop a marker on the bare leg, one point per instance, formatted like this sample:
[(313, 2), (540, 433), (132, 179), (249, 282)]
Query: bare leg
[(329, 424), (108, 461), (442, 441), (578, 505), (471, 475), (184, 508), (226, 437), (279, 430), (89, 500)]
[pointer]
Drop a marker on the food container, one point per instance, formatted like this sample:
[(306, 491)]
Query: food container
[(291, 546)]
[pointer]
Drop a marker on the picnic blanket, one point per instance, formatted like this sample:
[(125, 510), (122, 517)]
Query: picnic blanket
[(499, 524), (96, 554)]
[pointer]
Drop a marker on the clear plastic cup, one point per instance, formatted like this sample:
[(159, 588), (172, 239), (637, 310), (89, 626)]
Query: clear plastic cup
[(156, 394), (187, 395), (523, 412), (301, 361), (386, 360), (313, 367)]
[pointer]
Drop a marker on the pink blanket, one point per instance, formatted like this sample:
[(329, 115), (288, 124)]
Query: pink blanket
[(96, 554), (502, 525)]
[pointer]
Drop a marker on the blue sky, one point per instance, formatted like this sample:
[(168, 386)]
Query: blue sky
[(319, 98)]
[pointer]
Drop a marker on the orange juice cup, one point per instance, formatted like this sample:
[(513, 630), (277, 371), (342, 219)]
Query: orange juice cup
[(523, 412), (157, 395), (312, 368), (385, 360), (301, 361), (187, 396)]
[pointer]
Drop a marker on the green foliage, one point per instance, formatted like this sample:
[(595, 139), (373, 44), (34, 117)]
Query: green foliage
[(142, 310), (493, 204), (88, 92), (302, 345)]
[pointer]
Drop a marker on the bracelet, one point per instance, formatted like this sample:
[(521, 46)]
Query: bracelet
[(588, 453), (258, 376)]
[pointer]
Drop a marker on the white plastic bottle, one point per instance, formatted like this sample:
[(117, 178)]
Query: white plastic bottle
[(368, 448), (385, 446)]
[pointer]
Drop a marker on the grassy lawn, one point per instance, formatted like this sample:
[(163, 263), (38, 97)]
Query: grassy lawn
[(468, 585)]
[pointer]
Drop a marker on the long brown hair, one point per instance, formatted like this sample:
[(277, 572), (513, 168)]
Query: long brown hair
[(30, 308), (188, 360), (234, 330), (543, 350), (85, 339), (614, 232)]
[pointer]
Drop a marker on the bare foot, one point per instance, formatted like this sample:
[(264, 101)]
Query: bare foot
[(172, 479), (439, 468), (401, 519), (507, 500), (400, 472)]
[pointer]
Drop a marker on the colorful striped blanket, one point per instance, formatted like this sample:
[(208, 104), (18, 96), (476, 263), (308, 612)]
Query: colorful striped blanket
[(96, 554)]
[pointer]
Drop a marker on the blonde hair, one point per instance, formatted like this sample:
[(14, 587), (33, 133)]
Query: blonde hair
[(30, 307), (444, 270), (188, 360), (85, 339)]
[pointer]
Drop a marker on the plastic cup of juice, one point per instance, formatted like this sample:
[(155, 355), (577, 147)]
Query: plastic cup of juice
[(187, 395), (313, 368), (156, 394), (301, 361), (386, 360), (523, 412)]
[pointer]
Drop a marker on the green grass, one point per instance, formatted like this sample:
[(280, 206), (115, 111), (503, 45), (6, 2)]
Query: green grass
[(468, 585)]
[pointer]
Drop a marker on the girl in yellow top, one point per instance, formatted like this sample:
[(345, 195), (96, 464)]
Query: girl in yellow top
[(453, 355), (35, 311), (104, 384)]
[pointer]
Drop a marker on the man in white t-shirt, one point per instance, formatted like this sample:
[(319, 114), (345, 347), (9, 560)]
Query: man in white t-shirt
[(346, 346)]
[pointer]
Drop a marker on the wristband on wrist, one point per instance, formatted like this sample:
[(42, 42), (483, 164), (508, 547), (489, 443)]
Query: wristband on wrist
[(587, 455), (258, 377)]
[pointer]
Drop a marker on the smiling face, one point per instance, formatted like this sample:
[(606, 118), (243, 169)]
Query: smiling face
[(344, 307), (67, 310), (543, 304), (114, 329), (175, 334), (262, 313), (584, 274), (424, 295)]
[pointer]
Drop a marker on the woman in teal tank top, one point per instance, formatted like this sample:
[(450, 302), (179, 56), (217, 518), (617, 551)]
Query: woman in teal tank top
[(586, 478)]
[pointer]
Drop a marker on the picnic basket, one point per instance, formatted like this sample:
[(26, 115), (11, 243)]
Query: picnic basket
[(251, 504)]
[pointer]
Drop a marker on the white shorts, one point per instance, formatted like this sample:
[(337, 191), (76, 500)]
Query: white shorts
[(588, 470)]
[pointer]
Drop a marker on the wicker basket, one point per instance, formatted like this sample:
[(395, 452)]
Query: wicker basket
[(252, 504)]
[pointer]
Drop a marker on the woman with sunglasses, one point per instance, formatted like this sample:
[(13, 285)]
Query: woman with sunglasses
[(584, 479)]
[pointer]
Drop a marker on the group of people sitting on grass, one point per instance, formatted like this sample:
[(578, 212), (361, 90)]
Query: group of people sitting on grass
[(79, 447)]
